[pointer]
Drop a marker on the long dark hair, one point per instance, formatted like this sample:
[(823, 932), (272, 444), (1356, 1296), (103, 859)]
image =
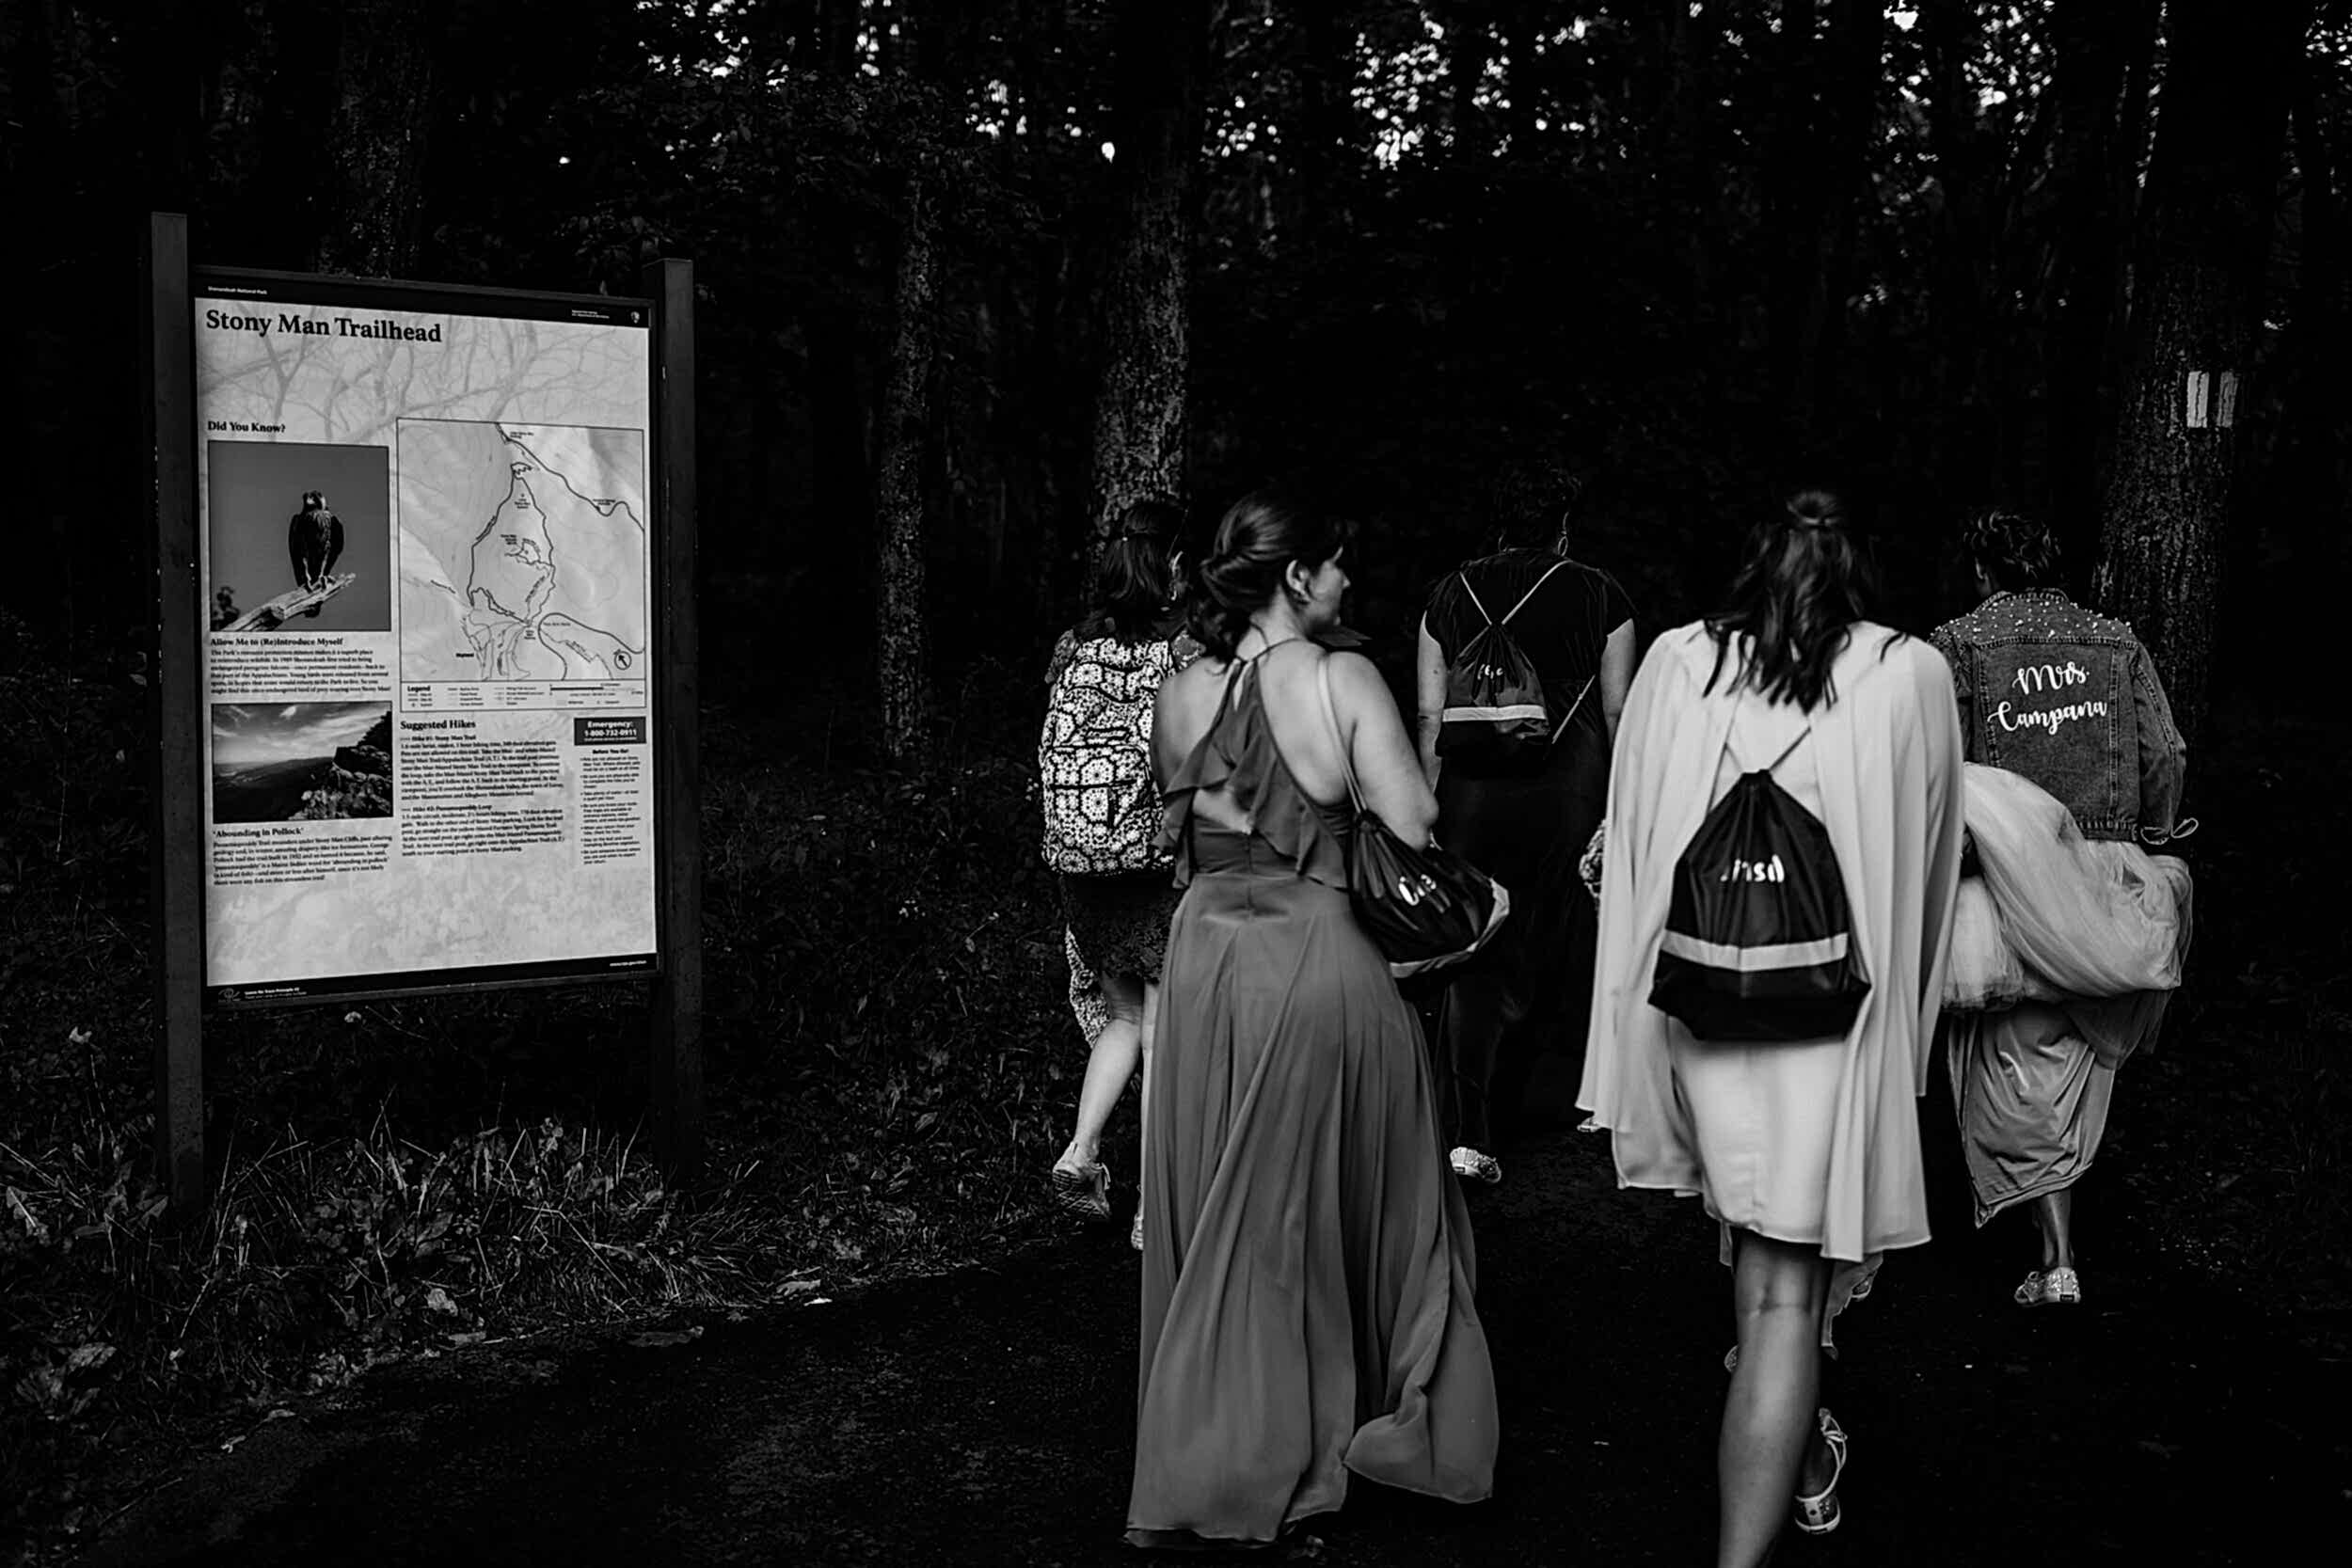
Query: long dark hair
[(1259, 535), (1133, 582), (1803, 583)]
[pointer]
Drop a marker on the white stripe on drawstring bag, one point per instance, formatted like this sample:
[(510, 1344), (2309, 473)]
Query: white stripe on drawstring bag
[(1482, 715), (1748, 960)]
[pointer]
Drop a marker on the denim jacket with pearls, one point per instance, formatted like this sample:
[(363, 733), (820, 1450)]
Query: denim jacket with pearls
[(2068, 698)]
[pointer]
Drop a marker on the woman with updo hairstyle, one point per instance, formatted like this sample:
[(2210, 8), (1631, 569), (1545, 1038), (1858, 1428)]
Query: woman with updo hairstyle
[(1105, 674), (1306, 1259), (1805, 1152)]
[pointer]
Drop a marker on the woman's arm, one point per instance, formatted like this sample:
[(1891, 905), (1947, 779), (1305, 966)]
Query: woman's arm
[(1386, 769), (1166, 717), (1431, 673), (1616, 674)]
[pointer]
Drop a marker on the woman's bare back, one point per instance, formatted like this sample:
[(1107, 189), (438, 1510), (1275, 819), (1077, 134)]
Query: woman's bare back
[(1289, 690)]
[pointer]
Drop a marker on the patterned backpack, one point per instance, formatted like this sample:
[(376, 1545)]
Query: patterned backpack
[(1095, 760)]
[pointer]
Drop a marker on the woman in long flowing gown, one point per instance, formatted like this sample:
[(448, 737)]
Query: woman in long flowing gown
[(1307, 1270)]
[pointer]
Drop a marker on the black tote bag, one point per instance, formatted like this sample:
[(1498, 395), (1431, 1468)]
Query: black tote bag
[(1424, 908)]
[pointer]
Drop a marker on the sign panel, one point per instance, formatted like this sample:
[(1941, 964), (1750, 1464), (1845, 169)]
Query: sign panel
[(427, 557)]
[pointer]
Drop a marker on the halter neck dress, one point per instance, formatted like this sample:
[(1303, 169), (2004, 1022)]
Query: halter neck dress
[(1307, 1266)]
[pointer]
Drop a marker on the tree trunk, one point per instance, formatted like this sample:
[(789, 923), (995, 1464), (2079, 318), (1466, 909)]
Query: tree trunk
[(2308, 505), (1956, 276), (839, 390), (1141, 402), (2089, 85), (1691, 178), (1789, 188), (1468, 45), (1522, 74), (2182, 420), (901, 664), (1840, 169), (1324, 130), (376, 124)]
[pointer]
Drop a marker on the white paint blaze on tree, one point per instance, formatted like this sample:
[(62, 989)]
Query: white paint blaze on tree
[(2180, 430), (900, 641), (1140, 409)]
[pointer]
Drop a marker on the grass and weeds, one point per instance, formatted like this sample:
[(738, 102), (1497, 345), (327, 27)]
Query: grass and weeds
[(891, 1065)]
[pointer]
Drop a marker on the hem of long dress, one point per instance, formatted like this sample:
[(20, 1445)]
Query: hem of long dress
[(1894, 1243), (1176, 1538), (1436, 1490), (2026, 1194)]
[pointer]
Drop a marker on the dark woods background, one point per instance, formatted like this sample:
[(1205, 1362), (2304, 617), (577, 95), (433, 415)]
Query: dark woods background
[(1432, 260), (973, 276)]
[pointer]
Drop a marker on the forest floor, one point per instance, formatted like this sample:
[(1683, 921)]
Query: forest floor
[(986, 1417), (435, 1249)]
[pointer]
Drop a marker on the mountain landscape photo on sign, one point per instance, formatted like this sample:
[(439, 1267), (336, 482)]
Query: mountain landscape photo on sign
[(301, 762)]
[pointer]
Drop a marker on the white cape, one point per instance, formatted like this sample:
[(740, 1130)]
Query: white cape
[(1888, 755)]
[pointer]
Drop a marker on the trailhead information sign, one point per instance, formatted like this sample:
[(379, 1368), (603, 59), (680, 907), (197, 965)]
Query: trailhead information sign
[(427, 557)]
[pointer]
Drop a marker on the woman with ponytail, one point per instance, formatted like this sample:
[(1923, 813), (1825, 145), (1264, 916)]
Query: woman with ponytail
[(1306, 1261), (1805, 1152)]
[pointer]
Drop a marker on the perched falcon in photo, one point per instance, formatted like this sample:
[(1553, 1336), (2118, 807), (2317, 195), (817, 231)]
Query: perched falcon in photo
[(314, 541)]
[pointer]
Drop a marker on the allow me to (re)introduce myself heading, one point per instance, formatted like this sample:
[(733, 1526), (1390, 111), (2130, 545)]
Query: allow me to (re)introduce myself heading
[(313, 326)]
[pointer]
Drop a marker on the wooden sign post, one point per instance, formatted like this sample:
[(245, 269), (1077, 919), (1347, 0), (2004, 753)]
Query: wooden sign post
[(178, 780), (678, 998)]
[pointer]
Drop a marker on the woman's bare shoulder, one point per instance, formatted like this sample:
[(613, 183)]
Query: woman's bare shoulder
[(1348, 665), (1194, 683)]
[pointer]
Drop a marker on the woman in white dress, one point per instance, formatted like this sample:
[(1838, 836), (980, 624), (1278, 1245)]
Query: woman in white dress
[(1805, 1152)]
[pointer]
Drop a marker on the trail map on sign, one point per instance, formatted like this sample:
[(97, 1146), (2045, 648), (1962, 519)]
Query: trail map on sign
[(523, 552)]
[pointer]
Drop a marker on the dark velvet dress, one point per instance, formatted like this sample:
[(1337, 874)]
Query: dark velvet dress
[(1307, 1266)]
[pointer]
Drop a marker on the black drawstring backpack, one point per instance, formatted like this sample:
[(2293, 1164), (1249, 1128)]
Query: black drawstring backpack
[(1759, 943), (1495, 712)]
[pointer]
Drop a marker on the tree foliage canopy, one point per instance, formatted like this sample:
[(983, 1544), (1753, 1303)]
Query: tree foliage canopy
[(1448, 254)]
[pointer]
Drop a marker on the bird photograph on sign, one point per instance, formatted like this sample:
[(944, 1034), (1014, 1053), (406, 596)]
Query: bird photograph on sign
[(300, 537)]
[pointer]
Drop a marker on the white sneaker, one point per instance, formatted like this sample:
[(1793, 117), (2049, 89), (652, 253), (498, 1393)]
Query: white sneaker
[(1471, 1165)]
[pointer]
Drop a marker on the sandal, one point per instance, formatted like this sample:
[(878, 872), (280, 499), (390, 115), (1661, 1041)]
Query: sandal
[(2056, 1288), (1472, 1166), (1085, 1191), (1821, 1514)]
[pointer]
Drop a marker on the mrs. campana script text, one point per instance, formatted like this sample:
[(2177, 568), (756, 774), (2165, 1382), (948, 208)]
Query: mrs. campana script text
[(311, 327), (2032, 680)]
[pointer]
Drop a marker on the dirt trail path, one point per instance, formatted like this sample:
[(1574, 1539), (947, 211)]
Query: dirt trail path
[(984, 1419)]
